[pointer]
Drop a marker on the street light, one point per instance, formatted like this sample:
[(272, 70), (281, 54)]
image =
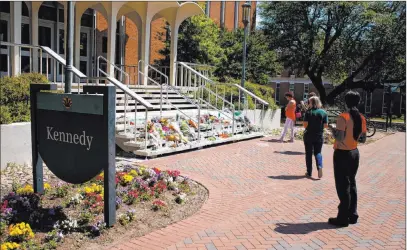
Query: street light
[(246, 20)]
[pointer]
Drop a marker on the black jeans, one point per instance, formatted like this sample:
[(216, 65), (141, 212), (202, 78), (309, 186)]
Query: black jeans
[(346, 164), (313, 146)]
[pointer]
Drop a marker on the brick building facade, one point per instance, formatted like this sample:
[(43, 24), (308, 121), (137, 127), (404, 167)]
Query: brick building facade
[(373, 104), (226, 14)]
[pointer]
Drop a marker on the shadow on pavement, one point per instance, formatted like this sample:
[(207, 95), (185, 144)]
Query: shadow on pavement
[(289, 152), (302, 228), (292, 177)]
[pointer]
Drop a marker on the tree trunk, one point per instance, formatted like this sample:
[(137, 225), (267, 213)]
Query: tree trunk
[(335, 92), (317, 82)]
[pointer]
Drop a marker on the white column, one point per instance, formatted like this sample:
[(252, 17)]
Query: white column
[(15, 32), (111, 43), (145, 46), (34, 36), (236, 23), (173, 53), (222, 14)]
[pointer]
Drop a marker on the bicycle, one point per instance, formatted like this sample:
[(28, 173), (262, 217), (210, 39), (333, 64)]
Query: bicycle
[(370, 126)]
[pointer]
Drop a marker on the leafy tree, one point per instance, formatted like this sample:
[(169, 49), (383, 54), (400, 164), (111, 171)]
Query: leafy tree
[(357, 45), (198, 42), (261, 62)]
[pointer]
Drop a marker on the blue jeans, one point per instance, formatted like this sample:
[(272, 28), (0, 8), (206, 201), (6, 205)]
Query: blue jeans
[(313, 146)]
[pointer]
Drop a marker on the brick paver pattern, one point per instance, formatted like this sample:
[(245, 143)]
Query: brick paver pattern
[(259, 199)]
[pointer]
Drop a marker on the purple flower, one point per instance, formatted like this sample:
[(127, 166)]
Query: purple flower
[(51, 212)]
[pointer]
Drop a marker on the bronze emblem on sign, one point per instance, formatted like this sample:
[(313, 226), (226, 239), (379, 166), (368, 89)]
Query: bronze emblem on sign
[(67, 102)]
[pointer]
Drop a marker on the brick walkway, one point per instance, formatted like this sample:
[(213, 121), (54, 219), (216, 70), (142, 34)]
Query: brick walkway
[(259, 200)]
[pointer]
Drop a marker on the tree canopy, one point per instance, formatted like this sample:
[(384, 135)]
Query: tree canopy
[(201, 41), (355, 44)]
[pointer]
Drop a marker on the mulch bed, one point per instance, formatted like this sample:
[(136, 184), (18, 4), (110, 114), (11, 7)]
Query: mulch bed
[(71, 216)]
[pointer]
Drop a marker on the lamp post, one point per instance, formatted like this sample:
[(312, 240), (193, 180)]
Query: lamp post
[(246, 20), (69, 48)]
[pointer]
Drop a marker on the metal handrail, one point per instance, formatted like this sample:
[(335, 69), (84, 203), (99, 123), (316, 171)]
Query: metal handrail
[(156, 70), (107, 61), (232, 118), (228, 84)]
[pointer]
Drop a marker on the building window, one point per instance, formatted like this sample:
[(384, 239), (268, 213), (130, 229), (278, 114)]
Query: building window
[(104, 44), (84, 44), (402, 103), (61, 41), (47, 12), (368, 103), (384, 104), (3, 63), (3, 33), (291, 87), (306, 90), (277, 94)]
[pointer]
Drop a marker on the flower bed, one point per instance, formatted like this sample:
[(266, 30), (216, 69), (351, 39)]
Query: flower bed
[(71, 216)]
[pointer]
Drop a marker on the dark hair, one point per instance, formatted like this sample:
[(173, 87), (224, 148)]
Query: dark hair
[(352, 99), (289, 94)]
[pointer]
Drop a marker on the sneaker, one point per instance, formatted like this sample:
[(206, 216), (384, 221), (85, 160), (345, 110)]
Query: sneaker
[(336, 222), (307, 175), (292, 140), (319, 173)]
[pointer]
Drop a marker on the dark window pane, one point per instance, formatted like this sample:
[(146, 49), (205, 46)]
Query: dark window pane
[(3, 63), (47, 13), (61, 15), (44, 65), (84, 44), (87, 20), (5, 6), (3, 32), (25, 35), (117, 54), (60, 69), (24, 9), (44, 36), (83, 67), (25, 64), (61, 41), (104, 44)]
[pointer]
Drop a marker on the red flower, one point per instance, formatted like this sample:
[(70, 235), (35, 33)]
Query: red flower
[(4, 206), (133, 194), (174, 173), (157, 171)]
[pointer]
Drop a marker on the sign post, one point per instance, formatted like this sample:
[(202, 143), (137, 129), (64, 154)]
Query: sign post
[(74, 134)]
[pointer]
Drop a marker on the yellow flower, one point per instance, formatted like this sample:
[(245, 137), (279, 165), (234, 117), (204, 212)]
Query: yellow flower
[(127, 178), (93, 188), (22, 230), (133, 173), (47, 186), (9, 245), (28, 189)]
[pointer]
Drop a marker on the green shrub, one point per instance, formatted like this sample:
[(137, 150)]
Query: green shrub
[(15, 97)]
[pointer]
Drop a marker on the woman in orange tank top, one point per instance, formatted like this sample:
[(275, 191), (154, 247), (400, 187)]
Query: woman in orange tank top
[(350, 129)]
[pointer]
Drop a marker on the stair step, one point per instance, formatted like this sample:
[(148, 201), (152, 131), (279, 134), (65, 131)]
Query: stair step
[(152, 101), (166, 106)]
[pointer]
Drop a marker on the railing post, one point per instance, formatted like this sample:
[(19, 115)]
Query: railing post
[(135, 120), (125, 112), (41, 61), (161, 101), (47, 66), (146, 132), (239, 98), (182, 76)]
